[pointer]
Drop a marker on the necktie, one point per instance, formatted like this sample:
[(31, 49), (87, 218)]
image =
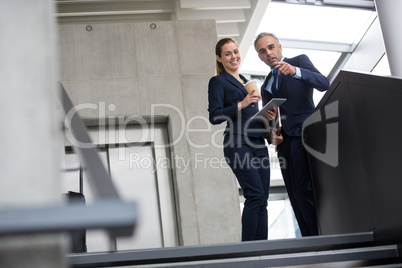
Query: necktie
[(274, 90)]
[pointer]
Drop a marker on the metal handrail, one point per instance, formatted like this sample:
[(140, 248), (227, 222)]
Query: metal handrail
[(108, 211)]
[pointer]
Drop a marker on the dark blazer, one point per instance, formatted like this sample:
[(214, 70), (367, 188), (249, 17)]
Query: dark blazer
[(298, 92), (224, 93)]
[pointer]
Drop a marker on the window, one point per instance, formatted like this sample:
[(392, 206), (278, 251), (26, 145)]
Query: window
[(141, 172), (323, 33)]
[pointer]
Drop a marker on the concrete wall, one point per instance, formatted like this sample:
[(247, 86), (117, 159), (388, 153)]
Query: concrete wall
[(129, 67), (30, 136)]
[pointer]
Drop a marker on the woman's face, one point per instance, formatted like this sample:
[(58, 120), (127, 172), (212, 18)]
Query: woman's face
[(230, 57)]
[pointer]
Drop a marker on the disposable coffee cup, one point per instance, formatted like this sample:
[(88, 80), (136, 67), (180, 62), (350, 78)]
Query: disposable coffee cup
[(250, 86)]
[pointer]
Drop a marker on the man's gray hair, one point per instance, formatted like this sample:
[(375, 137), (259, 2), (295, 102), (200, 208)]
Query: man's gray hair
[(265, 34)]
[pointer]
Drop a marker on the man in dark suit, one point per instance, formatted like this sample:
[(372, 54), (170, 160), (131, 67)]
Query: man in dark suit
[(295, 80)]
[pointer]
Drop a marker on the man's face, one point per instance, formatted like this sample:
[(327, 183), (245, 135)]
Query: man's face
[(269, 51)]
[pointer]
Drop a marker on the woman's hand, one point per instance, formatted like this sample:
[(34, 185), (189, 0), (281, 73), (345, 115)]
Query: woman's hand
[(271, 114), (249, 99)]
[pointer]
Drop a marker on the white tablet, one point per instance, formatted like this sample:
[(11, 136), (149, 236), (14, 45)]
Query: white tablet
[(275, 102)]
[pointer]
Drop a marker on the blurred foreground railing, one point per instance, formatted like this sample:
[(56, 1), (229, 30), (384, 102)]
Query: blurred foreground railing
[(108, 212)]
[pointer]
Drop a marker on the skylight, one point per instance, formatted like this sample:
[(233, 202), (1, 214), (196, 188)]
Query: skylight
[(320, 32), (315, 23)]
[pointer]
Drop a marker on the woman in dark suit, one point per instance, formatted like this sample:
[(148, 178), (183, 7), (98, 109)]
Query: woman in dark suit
[(244, 139)]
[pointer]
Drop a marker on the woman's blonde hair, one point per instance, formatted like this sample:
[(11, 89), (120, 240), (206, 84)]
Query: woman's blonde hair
[(218, 52)]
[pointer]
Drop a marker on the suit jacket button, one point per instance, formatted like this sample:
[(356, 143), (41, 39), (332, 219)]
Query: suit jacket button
[(252, 105)]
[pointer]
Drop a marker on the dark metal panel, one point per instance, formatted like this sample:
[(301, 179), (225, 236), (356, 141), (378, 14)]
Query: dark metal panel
[(296, 259), (341, 192), (378, 110), (364, 191), (222, 251)]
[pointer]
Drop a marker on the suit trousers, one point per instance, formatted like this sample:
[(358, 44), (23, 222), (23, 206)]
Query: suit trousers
[(249, 160), (297, 178)]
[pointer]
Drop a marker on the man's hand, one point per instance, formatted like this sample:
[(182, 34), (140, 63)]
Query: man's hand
[(274, 137), (271, 114), (285, 68)]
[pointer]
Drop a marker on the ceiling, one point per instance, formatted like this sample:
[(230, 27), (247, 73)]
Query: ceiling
[(238, 19)]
